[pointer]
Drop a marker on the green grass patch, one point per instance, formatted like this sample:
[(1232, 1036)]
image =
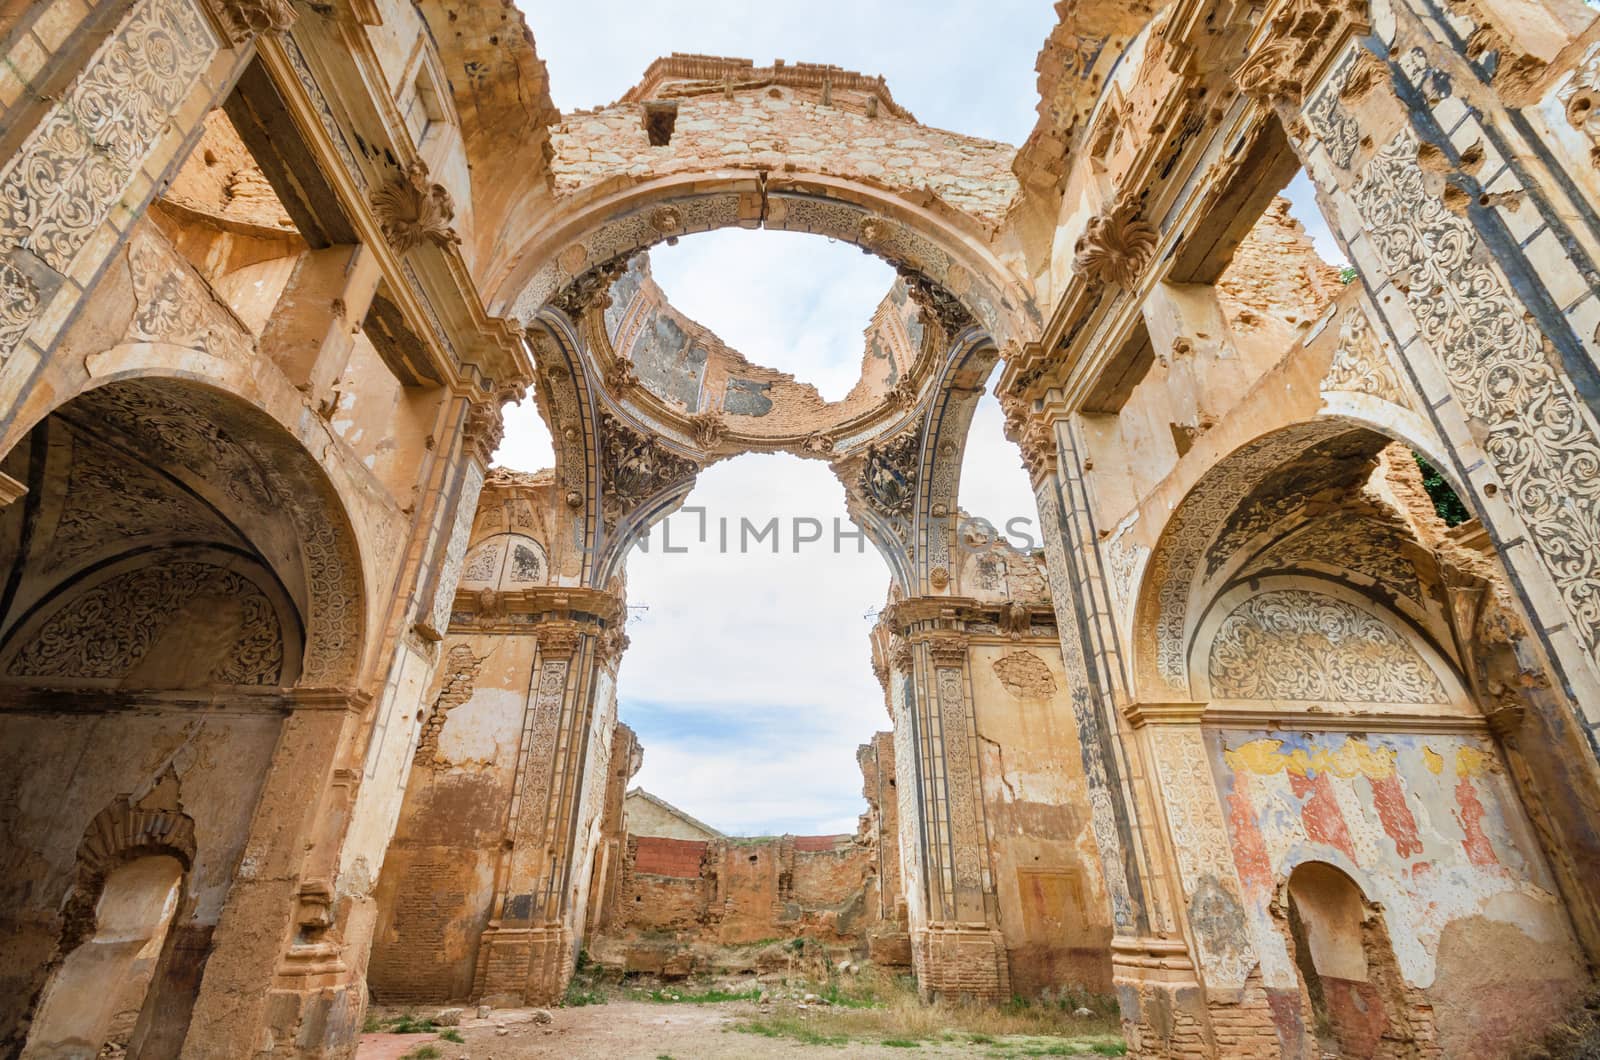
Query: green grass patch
[(901, 1043), (450, 1034), (410, 1023), (793, 1030), (423, 1052)]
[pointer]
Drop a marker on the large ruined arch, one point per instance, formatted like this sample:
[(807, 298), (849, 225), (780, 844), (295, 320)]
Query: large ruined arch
[(599, 227)]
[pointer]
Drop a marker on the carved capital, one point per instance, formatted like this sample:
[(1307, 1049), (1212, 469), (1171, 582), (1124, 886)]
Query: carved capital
[(557, 639), (1116, 245), (252, 18), (947, 650), (900, 653), (613, 643), (415, 210)]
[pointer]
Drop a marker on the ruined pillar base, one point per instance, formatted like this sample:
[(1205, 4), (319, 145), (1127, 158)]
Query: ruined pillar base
[(1163, 1005), (523, 965), (961, 960)]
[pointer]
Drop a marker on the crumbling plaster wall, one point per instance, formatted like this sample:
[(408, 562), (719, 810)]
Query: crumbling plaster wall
[(1046, 866), (437, 886), (1431, 829), (79, 766)]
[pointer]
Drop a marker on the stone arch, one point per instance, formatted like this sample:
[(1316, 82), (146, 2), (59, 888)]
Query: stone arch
[(960, 387), (1349, 977), (1240, 497), (257, 488), (932, 244)]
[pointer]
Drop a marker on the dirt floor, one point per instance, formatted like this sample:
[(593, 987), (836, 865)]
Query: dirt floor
[(623, 1029)]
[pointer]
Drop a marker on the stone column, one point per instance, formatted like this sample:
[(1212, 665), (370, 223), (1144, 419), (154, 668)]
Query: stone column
[(526, 954), (277, 982), (957, 948), (1454, 173), (1163, 1005)]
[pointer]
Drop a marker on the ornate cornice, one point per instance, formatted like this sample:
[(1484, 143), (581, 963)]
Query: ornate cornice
[(414, 210), (558, 638), (1299, 37), (708, 428)]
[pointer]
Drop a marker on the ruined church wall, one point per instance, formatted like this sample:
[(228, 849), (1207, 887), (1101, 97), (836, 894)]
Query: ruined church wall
[(437, 886), (78, 765), (1046, 868), (1431, 829)]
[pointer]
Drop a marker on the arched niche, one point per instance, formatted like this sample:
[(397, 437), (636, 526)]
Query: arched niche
[(505, 562), (1302, 642), (1243, 505), (154, 502), (111, 969)]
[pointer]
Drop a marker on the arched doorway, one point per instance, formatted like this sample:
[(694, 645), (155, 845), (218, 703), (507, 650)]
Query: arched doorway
[(1346, 963), (96, 994)]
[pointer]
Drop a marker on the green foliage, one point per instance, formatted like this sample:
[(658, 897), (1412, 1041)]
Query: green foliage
[(371, 1024), (1347, 274), (450, 1034), (423, 1052), (1446, 502), (900, 1043), (409, 1023), (793, 1030)]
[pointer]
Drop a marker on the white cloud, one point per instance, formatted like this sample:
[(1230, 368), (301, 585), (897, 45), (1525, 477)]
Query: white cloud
[(794, 302)]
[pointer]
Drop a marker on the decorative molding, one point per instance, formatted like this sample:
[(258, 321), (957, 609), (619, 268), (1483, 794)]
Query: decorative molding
[(1538, 437), (414, 210), (1296, 645), (60, 185), (1360, 364), (591, 289)]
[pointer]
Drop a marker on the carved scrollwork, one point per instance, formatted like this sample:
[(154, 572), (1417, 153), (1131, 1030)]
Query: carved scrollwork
[(1291, 644), (633, 469), (252, 18), (939, 307), (1302, 31), (1116, 245), (415, 210), (1359, 364)]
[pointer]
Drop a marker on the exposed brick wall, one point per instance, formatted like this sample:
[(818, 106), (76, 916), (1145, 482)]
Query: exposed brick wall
[(658, 856)]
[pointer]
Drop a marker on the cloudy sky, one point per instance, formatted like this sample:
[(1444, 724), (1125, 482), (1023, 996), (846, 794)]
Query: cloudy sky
[(749, 678)]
